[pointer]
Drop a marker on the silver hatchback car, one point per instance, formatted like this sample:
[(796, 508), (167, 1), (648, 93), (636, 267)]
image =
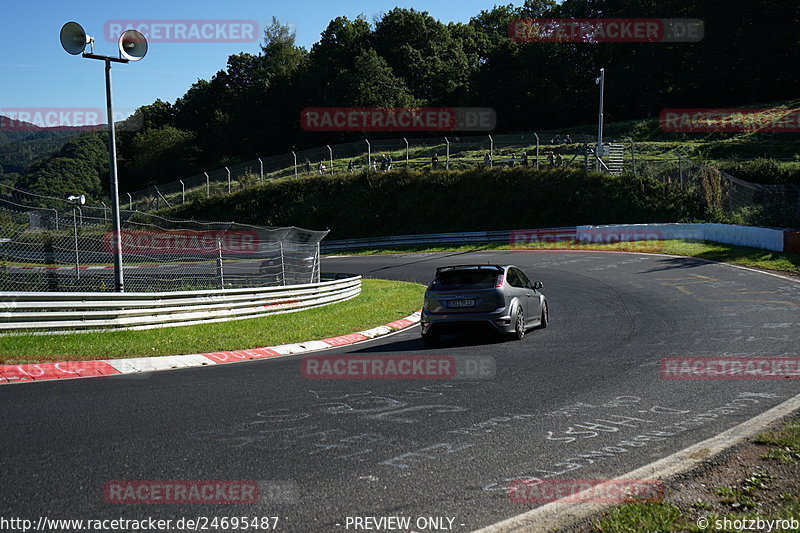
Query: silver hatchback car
[(499, 298)]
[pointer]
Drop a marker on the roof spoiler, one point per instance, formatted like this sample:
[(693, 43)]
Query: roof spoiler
[(439, 270)]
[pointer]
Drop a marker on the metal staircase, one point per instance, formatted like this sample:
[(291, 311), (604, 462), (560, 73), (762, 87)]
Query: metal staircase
[(611, 160)]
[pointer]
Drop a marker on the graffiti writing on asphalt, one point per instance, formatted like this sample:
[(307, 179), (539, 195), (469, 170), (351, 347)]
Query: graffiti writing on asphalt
[(283, 430), (653, 424)]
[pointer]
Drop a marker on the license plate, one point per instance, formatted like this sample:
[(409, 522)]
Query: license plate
[(454, 304)]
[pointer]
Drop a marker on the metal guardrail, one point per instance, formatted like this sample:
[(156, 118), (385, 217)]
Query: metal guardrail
[(752, 236), (70, 311), (474, 237)]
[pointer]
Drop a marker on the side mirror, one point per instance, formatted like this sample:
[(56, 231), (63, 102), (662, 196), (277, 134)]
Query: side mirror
[(537, 285)]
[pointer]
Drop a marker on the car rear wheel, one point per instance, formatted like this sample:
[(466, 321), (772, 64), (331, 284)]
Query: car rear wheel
[(545, 316), (519, 325)]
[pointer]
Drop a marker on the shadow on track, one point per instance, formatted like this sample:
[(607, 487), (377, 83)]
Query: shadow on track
[(672, 263), (448, 341)]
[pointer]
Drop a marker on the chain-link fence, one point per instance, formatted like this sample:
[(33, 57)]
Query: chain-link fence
[(741, 201), (48, 244), (455, 153)]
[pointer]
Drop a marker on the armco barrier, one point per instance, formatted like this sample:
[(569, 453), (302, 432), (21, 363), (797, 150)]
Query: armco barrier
[(64, 311), (756, 237), (474, 237), (753, 236)]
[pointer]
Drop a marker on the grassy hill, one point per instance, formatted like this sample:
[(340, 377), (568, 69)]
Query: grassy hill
[(371, 204)]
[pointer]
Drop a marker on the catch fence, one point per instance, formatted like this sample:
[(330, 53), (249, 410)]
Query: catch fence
[(49, 245)]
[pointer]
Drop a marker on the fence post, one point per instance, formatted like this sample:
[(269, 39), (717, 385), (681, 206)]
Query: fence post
[(680, 170), (220, 272), (283, 267), (130, 201), (183, 192), (537, 150), (406, 140), (208, 184), (295, 163), (491, 148), (104, 213), (317, 267), (56, 218), (585, 156), (633, 155), (369, 154), (447, 159), (229, 179), (261, 164), (75, 235), (330, 151)]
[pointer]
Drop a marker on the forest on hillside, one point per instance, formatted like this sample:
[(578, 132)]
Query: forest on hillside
[(251, 107)]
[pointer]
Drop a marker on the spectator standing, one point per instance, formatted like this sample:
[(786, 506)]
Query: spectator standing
[(351, 166), (487, 160), (308, 166), (524, 159), (321, 168), (559, 160), (550, 160), (435, 161)]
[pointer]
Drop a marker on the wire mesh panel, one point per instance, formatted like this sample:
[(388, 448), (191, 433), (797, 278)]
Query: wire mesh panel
[(743, 202), (70, 247)]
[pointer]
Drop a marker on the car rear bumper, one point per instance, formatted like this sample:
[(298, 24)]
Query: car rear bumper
[(498, 321)]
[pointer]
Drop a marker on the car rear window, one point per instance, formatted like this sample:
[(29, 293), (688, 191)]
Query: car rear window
[(483, 278)]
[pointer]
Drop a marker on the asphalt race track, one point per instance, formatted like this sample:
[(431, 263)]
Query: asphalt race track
[(582, 399)]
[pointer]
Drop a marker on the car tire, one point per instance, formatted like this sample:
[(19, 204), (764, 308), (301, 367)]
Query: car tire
[(545, 316), (519, 325), (431, 339)]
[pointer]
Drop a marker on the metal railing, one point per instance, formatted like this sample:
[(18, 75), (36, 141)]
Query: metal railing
[(429, 239), (71, 311), (765, 238)]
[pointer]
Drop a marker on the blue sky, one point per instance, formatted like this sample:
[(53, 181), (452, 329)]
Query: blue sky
[(38, 73)]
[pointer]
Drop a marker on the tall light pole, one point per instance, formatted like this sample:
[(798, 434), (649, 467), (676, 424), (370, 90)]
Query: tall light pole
[(599, 151), (132, 47)]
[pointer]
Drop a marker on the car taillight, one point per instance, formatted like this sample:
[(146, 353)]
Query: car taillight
[(500, 279)]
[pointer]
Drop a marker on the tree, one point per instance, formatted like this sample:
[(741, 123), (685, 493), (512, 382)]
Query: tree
[(372, 83), (423, 52), (163, 154)]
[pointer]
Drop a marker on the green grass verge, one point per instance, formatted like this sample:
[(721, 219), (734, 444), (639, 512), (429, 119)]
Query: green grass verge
[(786, 443), (738, 255), (380, 302), (666, 516)]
